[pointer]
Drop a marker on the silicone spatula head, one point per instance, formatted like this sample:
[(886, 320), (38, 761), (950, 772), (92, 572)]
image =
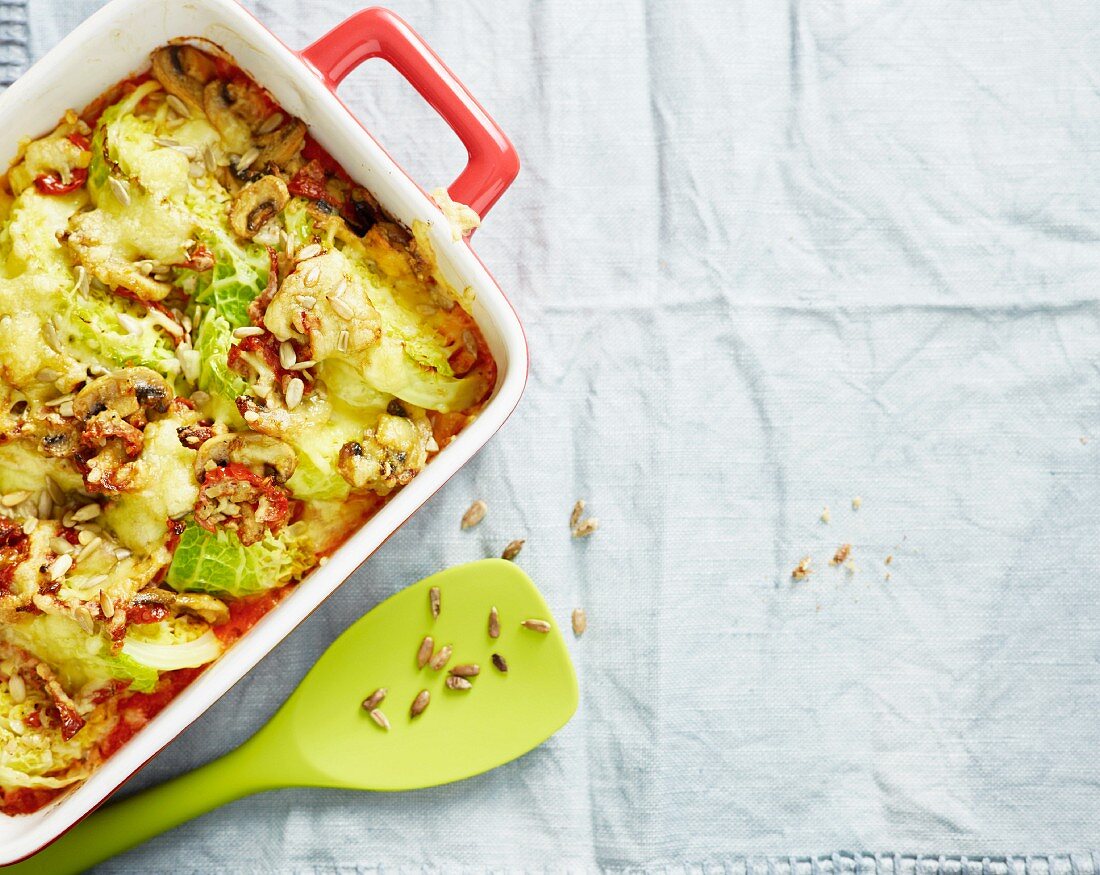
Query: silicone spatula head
[(326, 738)]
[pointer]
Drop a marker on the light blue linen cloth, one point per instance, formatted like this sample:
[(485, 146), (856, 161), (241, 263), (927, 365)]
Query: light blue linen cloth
[(770, 257)]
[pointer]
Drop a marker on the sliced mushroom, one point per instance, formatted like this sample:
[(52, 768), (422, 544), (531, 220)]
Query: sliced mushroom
[(260, 453), (387, 456), (201, 605), (183, 71), (282, 144), (125, 392), (256, 203), (217, 103)]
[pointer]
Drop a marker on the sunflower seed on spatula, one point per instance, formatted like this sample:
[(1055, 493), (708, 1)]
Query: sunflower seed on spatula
[(420, 703), (425, 651), (374, 699)]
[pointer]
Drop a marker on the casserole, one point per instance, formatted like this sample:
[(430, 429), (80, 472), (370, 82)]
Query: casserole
[(117, 41)]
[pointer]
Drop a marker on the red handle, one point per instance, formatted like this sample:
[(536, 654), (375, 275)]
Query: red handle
[(378, 33)]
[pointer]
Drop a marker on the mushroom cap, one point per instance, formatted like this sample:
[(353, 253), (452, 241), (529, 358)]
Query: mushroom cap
[(259, 453)]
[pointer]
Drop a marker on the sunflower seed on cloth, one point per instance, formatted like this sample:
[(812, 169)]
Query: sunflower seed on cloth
[(586, 527), (475, 513), (512, 550), (580, 622)]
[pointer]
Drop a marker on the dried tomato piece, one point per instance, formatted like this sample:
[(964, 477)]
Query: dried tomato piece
[(236, 498), (309, 182)]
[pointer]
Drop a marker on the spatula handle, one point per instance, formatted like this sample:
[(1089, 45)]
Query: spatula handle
[(119, 826)]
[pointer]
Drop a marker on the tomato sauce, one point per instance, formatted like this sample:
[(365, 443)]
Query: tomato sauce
[(137, 709), (246, 612)]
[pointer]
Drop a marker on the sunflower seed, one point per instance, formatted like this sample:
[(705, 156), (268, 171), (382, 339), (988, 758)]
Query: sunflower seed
[(106, 605), (58, 401), (287, 355), (55, 490), (374, 699), (425, 651), (210, 160), (47, 375), (82, 283), (380, 718), (580, 621), (177, 105), (60, 566), (434, 600), (195, 169), (17, 687), (45, 506), (84, 619), (307, 252), (513, 548), (270, 123), (342, 341), (120, 190), (467, 670), (11, 499), (457, 683), (248, 158), (441, 658), (586, 527), (29, 525), (88, 512), (294, 390), (420, 703), (575, 516), (165, 141), (311, 277), (60, 545), (470, 342), (130, 324), (536, 626), (494, 623), (88, 549), (307, 301), (475, 513), (343, 310), (500, 663), (248, 331), (51, 336), (303, 366)]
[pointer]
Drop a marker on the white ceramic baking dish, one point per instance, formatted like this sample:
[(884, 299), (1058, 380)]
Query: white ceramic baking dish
[(116, 42)]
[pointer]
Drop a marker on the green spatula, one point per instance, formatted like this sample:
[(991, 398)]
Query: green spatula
[(322, 737)]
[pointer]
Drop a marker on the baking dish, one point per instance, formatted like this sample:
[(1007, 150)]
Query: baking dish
[(115, 42)]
